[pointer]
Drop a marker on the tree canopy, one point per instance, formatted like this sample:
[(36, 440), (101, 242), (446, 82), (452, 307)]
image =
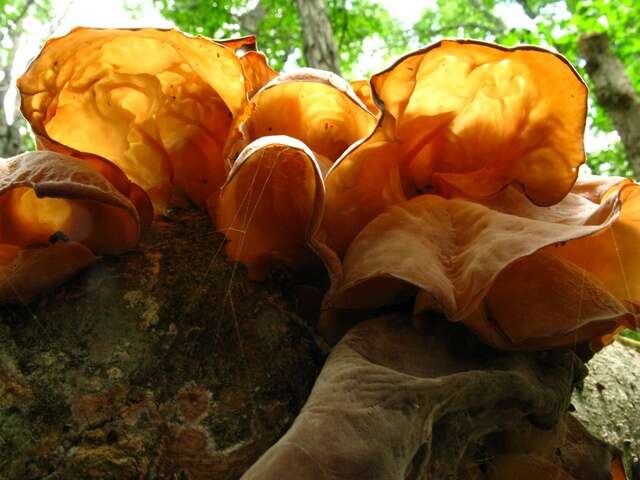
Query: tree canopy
[(556, 24), (366, 29), (277, 25), (13, 14)]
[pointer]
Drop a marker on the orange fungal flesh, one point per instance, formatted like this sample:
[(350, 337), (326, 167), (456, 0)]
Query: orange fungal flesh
[(362, 88), (450, 178), (313, 106), (478, 117), (463, 118), (270, 204), (460, 255), (53, 201), (157, 103), (315, 114), (31, 271)]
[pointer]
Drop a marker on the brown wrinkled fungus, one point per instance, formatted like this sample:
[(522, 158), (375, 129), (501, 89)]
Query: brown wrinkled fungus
[(445, 187), (58, 214)]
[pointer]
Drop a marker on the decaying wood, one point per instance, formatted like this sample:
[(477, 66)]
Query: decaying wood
[(614, 92), (167, 363), (162, 363)]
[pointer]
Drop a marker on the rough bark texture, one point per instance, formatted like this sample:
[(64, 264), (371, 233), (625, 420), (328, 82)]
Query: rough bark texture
[(608, 401), (320, 49), (250, 20), (614, 92), (164, 363)]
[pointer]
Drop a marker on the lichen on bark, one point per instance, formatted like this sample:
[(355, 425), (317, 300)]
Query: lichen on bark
[(167, 363), (162, 362)]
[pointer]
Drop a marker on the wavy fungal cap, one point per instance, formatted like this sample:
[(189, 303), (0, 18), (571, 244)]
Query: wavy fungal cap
[(449, 179), (467, 118), (316, 107), (51, 202), (157, 103)]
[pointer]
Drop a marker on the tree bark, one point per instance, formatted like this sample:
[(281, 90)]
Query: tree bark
[(10, 138), (167, 363), (614, 92), (612, 388), (163, 363), (250, 20), (319, 45)]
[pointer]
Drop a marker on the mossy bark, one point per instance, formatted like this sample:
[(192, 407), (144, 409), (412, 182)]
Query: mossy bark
[(156, 364), (167, 363)]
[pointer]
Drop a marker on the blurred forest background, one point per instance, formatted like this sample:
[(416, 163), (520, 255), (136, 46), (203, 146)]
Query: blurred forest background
[(358, 37)]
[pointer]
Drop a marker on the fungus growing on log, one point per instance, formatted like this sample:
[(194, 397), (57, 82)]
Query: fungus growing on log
[(58, 213), (447, 186), (443, 199), (157, 103), (316, 107), (276, 180)]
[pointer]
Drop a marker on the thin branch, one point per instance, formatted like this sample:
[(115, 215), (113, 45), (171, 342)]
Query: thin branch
[(23, 12), (56, 22), (14, 35)]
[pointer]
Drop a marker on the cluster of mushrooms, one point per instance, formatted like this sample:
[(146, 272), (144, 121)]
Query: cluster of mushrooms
[(450, 179)]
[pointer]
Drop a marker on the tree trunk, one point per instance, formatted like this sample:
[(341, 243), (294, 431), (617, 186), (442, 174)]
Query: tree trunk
[(10, 139), (163, 363), (320, 49), (167, 363), (612, 388), (614, 92), (250, 20)]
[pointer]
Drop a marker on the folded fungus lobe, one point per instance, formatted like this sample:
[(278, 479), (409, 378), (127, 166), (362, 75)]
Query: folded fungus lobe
[(157, 103), (448, 180), (57, 214)]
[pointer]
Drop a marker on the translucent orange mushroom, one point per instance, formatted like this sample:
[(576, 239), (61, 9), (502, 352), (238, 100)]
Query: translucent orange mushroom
[(465, 196), (523, 276), (26, 272), (271, 205), (57, 214), (362, 88), (460, 194), (316, 107), (570, 292), (254, 63), (158, 103), (463, 118), (292, 130)]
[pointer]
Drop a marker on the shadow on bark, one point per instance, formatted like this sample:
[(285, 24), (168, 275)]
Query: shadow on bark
[(167, 363)]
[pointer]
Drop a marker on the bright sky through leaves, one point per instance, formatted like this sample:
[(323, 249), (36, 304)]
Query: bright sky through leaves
[(117, 13)]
